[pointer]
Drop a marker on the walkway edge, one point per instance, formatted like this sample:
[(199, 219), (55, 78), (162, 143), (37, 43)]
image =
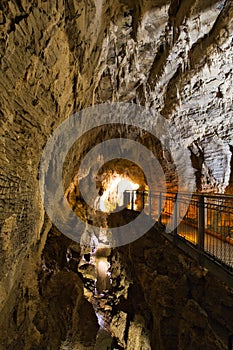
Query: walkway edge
[(201, 258)]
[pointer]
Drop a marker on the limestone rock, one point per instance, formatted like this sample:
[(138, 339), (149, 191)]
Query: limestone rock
[(58, 57)]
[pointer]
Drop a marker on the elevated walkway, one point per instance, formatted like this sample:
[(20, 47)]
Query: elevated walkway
[(199, 224)]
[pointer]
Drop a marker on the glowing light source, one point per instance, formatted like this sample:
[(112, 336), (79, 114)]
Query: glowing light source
[(113, 196), (102, 266)]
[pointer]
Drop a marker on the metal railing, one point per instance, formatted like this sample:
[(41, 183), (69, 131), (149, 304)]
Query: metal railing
[(204, 221)]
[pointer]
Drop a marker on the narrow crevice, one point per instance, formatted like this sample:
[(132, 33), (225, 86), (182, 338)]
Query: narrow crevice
[(197, 159), (20, 18), (74, 90)]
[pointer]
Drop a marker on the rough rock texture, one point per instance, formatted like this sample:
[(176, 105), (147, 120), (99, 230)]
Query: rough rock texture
[(177, 304), (160, 298), (58, 57), (50, 305)]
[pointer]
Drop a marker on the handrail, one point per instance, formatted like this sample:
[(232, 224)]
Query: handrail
[(205, 221), (197, 194)]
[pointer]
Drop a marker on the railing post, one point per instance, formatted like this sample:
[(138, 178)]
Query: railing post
[(150, 202), (175, 232), (132, 201), (160, 209), (126, 198), (201, 223), (143, 199)]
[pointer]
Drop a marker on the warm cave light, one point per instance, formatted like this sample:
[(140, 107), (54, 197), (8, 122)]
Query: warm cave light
[(102, 267), (113, 196)]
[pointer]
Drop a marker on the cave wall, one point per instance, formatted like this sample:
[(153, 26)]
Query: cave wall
[(58, 57), (181, 304)]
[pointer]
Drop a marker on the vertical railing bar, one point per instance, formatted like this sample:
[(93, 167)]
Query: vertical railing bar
[(222, 233), (143, 199), (160, 208), (196, 221), (132, 201), (149, 202), (211, 224), (207, 221), (201, 223), (175, 216)]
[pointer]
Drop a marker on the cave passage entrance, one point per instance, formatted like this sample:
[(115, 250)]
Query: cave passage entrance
[(116, 177), (113, 195)]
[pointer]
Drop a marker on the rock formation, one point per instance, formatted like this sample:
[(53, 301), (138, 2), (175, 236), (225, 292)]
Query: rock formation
[(60, 57)]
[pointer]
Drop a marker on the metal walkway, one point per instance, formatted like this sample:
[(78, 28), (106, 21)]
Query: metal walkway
[(201, 220)]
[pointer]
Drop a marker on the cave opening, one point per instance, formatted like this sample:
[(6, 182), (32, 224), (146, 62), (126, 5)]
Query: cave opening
[(113, 195), (116, 177)]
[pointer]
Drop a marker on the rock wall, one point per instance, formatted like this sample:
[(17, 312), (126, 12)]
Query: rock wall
[(180, 304), (58, 57)]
